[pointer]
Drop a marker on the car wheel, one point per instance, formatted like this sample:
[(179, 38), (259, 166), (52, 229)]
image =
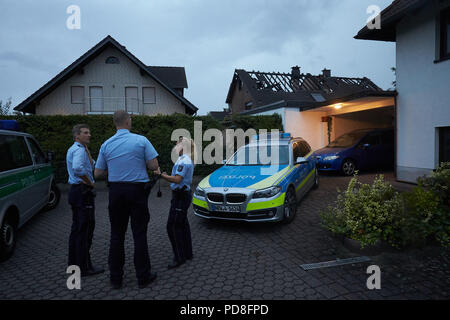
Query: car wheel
[(290, 206), (316, 179), (348, 167), (53, 199), (7, 240)]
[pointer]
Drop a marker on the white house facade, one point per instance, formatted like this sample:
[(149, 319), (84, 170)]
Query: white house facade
[(421, 30)]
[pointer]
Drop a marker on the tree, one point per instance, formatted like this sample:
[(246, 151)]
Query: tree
[(5, 107)]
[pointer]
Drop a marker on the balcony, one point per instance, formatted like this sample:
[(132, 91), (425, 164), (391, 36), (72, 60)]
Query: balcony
[(108, 105)]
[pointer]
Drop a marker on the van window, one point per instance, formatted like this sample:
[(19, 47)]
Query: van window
[(37, 153), (14, 153)]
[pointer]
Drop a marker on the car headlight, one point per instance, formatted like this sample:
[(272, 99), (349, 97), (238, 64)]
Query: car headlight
[(267, 193), (199, 192), (331, 158)]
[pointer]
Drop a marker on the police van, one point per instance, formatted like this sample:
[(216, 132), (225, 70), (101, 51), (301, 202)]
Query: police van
[(263, 181), (26, 183)]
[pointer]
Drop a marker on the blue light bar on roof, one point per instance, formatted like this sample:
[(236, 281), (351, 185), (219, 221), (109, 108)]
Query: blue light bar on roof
[(269, 136), (9, 125)]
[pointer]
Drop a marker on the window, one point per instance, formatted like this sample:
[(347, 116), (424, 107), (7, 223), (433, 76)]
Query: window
[(96, 98), (297, 151), (372, 139), (112, 60), (131, 99), (77, 94), (14, 153), (305, 148), (36, 152), (444, 144), (148, 95), (260, 155), (445, 34)]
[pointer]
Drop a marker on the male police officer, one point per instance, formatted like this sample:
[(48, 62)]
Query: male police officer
[(81, 198), (125, 158)]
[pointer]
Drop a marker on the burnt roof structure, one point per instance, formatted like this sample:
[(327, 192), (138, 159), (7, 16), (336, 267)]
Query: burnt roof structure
[(301, 90), (390, 16)]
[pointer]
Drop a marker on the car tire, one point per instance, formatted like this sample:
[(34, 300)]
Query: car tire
[(7, 240), (290, 206), (348, 167), (316, 179), (53, 200)]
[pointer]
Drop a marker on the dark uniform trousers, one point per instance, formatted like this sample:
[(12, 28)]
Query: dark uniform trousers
[(178, 225), (128, 200), (82, 201)]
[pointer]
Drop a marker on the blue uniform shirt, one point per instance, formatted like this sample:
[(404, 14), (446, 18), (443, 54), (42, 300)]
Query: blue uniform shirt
[(185, 168), (125, 155), (78, 164)]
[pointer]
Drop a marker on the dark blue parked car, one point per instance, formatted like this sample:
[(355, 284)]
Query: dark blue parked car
[(358, 150)]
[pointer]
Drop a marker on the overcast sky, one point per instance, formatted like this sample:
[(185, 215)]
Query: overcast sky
[(210, 38)]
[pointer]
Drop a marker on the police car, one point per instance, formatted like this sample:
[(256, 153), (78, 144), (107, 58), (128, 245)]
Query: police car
[(247, 188), (26, 183)]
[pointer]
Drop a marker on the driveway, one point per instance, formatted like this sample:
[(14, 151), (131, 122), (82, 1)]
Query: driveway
[(231, 260)]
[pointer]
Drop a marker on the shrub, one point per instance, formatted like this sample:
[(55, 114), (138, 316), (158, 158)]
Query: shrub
[(427, 214), (367, 213), (55, 133)]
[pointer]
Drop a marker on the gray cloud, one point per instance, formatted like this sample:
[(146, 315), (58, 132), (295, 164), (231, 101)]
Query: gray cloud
[(210, 38)]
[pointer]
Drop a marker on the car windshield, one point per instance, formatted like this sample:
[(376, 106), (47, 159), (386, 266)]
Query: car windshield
[(260, 155), (347, 140)]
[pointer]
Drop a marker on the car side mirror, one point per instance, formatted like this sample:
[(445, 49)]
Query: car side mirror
[(301, 160), (50, 156)]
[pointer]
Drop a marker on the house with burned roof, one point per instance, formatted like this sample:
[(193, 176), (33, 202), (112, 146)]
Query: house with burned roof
[(421, 31), (317, 108), (107, 78)]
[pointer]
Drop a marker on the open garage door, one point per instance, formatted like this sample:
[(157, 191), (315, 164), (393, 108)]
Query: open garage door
[(367, 119)]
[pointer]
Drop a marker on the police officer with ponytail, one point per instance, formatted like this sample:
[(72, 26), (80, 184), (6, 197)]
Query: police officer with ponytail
[(180, 180)]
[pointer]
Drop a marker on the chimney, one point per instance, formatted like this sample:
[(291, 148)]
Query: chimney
[(295, 73), (326, 73), (295, 78)]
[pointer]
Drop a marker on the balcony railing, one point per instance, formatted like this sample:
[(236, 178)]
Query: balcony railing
[(108, 105)]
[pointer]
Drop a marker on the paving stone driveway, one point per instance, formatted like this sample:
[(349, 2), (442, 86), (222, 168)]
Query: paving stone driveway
[(231, 260)]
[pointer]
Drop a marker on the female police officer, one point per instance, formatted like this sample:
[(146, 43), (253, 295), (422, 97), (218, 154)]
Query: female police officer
[(180, 183)]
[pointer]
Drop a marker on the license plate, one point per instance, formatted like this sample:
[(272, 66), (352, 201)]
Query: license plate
[(226, 208)]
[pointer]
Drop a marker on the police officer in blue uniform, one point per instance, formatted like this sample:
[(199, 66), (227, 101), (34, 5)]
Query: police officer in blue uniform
[(125, 158), (180, 180), (80, 167)]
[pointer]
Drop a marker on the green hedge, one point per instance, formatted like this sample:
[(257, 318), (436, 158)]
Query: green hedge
[(55, 133)]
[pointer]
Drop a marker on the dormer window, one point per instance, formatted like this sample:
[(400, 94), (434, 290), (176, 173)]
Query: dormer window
[(112, 60)]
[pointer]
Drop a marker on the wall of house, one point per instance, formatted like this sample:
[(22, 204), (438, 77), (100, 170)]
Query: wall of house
[(113, 78), (307, 125), (423, 102), (240, 98)]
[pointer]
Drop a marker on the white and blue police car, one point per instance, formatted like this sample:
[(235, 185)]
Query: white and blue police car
[(249, 188)]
